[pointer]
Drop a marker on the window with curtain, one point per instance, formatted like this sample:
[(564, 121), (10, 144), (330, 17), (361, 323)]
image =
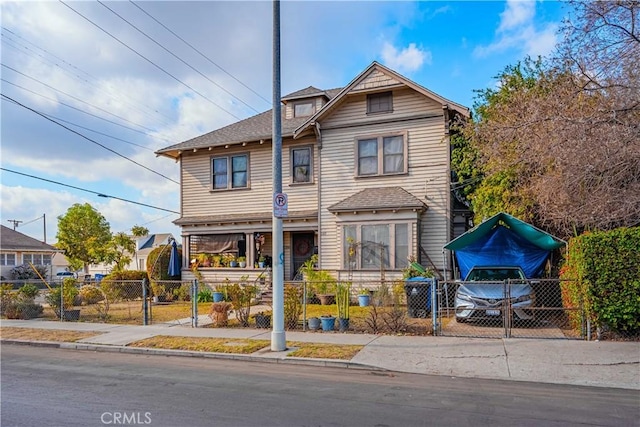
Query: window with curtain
[(375, 245), (382, 155), (230, 172), (301, 164)]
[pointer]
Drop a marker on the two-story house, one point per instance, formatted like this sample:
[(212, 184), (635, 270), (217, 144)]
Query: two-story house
[(366, 169)]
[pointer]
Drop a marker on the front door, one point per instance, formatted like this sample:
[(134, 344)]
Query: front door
[(302, 245)]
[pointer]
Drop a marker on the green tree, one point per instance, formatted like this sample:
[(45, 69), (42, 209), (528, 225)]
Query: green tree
[(119, 249), (84, 234), (138, 231)]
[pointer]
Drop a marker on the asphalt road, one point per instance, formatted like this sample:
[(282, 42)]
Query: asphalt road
[(53, 387)]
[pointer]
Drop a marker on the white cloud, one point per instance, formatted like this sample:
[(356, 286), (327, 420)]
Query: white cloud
[(409, 59), (519, 30)]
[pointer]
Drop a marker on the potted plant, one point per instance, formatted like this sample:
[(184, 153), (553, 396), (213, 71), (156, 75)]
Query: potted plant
[(343, 299), (328, 322), (233, 261), (203, 260), (263, 321), (242, 261), (321, 280), (216, 260), (364, 298), (261, 261), (314, 323)]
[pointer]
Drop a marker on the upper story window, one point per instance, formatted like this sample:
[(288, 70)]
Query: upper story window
[(301, 162), (379, 102), (36, 259), (230, 172), (7, 259), (303, 109), (382, 155)]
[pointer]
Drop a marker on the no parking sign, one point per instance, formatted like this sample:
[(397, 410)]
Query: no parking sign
[(280, 205)]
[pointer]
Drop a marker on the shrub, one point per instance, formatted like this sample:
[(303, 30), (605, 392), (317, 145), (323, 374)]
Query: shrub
[(240, 295), (123, 285), (67, 292), (205, 295), (292, 306), (158, 262), (28, 292), (606, 270), (25, 272), (7, 297), (23, 310), (91, 294)]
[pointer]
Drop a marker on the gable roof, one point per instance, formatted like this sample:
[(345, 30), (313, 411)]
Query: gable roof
[(379, 199), (11, 240), (400, 79), (254, 128), (153, 240)]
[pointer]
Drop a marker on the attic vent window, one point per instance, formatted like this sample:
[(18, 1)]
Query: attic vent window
[(303, 109), (379, 103)]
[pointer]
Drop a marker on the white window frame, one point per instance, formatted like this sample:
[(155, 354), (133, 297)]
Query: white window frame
[(4, 257), (293, 174), (380, 156), (39, 257), (393, 263), (229, 160)]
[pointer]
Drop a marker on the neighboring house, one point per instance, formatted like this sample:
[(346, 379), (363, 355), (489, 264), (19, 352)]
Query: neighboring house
[(144, 246), (366, 169), (17, 249)]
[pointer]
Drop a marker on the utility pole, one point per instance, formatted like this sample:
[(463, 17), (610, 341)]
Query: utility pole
[(278, 339), (44, 222), (15, 223)]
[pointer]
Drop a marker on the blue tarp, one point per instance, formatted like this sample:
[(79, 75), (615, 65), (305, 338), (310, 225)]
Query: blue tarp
[(502, 246)]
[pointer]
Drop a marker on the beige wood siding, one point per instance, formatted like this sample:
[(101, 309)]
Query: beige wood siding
[(376, 79), (406, 103), (427, 177), (199, 200)]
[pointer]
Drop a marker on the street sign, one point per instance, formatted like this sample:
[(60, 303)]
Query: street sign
[(280, 205)]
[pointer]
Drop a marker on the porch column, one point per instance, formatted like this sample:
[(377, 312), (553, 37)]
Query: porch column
[(251, 249)]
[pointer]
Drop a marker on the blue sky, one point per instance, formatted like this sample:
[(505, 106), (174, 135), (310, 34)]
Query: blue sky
[(144, 88)]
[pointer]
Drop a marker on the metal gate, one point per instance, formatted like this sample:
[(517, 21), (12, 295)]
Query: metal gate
[(507, 309)]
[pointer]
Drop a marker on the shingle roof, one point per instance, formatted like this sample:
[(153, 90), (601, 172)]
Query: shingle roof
[(385, 198), (11, 240), (253, 128)]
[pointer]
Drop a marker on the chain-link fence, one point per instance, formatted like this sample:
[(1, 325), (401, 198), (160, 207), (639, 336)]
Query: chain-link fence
[(508, 308)]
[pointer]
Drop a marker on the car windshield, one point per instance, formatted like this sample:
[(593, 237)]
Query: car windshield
[(488, 274)]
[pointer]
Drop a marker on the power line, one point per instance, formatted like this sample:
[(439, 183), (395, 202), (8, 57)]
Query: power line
[(201, 54), (177, 57), (92, 130), (83, 111), (151, 62), (89, 139), (89, 191), (121, 96), (77, 99)]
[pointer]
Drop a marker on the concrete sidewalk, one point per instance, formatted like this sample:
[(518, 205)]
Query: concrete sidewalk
[(593, 363)]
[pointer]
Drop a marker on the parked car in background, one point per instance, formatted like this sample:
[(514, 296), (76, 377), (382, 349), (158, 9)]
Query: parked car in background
[(482, 294), (61, 275)]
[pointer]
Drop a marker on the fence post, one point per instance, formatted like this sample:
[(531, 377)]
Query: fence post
[(434, 306), (194, 303), (145, 303), (304, 306), (62, 301)]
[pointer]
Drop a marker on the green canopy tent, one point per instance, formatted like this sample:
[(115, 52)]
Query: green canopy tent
[(504, 240)]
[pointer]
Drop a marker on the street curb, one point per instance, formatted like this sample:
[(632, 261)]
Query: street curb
[(328, 363)]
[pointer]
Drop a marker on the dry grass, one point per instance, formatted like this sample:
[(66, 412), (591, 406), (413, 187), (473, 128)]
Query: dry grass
[(247, 346), (215, 345), (324, 351), (44, 334)]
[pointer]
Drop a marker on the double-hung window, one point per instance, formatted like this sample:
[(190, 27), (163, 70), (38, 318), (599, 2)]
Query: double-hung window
[(370, 246), (230, 172), (380, 103), (301, 161), (382, 155), (7, 259), (36, 259)]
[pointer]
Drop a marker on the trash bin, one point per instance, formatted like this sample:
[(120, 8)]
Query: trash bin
[(418, 292)]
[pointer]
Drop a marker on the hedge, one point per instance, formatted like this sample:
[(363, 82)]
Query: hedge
[(606, 269)]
